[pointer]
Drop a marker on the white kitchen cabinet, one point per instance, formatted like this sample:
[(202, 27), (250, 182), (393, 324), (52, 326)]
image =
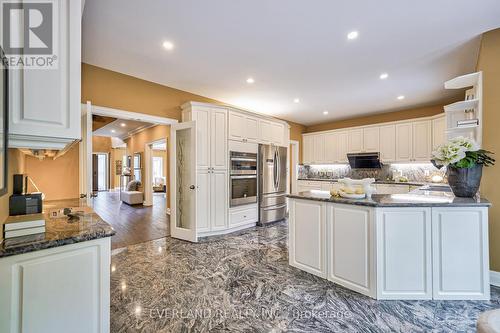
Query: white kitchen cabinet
[(219, 200), (307, 185), (371, 139), (388, 143), (404, 253), (243, 127), (355, 140), (278, 137), (61, 289), (392, 188), (422, 140), (211, 130), (45, 104), (351, 242), (243, 215), (460, 253), (331, 150), (438, 131), (404, 142), (319, 156), (342, 146), (271, 132), (307, 238), (203, 200), (308, 149)]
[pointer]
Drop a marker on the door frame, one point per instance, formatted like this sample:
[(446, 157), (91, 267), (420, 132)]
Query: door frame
[(148, 173), (294, 160), (108, 171), (85, 147), (178, 232)]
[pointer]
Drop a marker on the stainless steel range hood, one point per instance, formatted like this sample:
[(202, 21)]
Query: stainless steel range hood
[(364, 161)]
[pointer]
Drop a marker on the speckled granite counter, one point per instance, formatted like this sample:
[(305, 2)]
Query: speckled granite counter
[(60, 231), (382, 182), (413, 199)]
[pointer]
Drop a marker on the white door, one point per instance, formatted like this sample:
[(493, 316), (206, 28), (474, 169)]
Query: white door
[(355, 141), (85, 154), (203, 200), (183, 181), (404, 140), (371, 138), (218, 199), (422, 140), (388, 143), (218, 139)]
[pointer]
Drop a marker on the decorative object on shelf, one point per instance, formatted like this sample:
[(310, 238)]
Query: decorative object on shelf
[(464, 161)]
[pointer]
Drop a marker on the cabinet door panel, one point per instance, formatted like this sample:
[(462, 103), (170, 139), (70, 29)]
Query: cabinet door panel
[(203, 200), (218, 144), (342, 146), (219, 200), (438, 132), (404, 144), (355, 141), (460, 253), (371, 138), (388, 143), (307, 237), (278, 134), (236, 126), (404, 267), (319, 148), (331, 148), (351, 252), (307, 151), (202, 118), (422, 137), (266, 131), (252, 129)]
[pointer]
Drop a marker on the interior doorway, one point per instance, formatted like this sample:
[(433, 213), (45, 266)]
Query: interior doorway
[(156, 178), (294, 165), (100, 172)]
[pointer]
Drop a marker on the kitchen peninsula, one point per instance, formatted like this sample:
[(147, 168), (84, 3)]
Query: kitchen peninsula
[(419, 245), (58, 280)]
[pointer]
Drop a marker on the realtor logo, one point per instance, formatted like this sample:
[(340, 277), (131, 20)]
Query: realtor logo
[(28, 34)]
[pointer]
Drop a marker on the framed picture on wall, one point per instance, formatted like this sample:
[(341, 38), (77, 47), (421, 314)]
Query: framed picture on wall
[(4, 129)]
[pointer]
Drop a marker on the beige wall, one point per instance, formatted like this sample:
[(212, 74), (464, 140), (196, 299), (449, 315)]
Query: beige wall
[(381, 117), (101, 144), (116, 155), (57, 179), (16, 165), (489, 63)]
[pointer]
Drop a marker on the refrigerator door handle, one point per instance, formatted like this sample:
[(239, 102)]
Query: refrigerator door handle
[(278, 171)]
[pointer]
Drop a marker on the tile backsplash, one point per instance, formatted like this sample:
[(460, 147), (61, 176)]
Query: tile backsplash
[(414, 172)]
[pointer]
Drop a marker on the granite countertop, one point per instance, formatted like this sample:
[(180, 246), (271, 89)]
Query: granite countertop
[(60, 231), (413, 199), (388, 182)]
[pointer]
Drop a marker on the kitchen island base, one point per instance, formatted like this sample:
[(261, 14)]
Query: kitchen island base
[(385, 252)]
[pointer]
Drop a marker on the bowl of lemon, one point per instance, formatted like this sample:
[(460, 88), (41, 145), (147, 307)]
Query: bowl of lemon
[(352, 193)]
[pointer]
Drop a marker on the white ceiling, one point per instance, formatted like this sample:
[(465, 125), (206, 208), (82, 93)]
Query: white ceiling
[(293, 49), (120, 131)]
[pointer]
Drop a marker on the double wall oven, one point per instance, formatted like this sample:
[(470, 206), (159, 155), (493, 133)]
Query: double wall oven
[(243, 178)]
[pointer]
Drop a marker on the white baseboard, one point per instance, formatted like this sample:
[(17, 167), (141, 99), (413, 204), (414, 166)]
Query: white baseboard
[(495, 278)]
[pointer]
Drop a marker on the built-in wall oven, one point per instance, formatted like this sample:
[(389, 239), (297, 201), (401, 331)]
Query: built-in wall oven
[(243, 178)]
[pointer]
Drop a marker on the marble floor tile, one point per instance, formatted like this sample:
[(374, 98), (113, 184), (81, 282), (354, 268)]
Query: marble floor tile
[(243, 283)]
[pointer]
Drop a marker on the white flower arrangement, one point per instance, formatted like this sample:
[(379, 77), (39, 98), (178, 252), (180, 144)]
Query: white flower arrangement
[(461, 152)]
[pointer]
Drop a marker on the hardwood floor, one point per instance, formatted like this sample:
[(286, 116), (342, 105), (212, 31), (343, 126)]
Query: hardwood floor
[(133, 224)]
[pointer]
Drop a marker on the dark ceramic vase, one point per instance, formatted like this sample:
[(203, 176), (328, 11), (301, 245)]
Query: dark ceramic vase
[(465, 182)]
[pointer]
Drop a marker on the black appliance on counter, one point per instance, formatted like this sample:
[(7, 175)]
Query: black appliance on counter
[(364, 161), (21, 202)]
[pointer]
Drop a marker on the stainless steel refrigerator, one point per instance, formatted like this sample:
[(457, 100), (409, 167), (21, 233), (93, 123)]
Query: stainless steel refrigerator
[(272, 183)]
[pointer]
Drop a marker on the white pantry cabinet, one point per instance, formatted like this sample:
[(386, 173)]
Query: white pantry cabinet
[(243, 127), (45, 104), (66, 288), (272, 132)]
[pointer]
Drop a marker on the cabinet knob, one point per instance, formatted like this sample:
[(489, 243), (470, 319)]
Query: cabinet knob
[(192, 187)]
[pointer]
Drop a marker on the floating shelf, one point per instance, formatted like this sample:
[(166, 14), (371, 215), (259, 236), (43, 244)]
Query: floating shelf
[(462, 105), (463, 81)]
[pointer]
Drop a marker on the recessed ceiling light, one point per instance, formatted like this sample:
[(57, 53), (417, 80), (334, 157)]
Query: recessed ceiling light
[(123, 124), (353, 35), (401, 97), (325, 112), (296, 100), (384, 76), (168, 45), (113, 131), (250, 80)]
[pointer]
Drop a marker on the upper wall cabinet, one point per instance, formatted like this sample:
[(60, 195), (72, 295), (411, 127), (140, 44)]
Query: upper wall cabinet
[(271, 132), (401, 141), (45, 106), (243, 127)]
